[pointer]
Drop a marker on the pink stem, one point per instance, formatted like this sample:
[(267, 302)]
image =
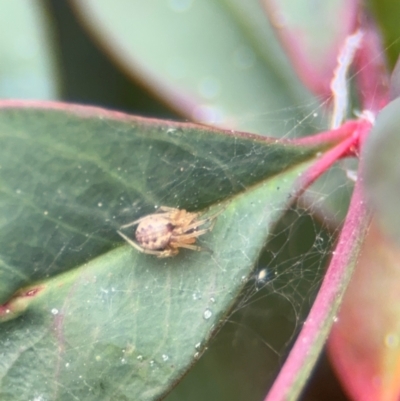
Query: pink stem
[(322, 165), (312, 337), (348, 147), (333, 135)]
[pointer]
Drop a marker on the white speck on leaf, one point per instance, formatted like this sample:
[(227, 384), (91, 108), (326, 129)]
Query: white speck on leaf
[(207, 314)]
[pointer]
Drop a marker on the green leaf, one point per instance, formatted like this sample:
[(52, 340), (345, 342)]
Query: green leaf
[(216, 61), (27, 67), (386, 13), (382, 168), (92, 318), (313, 44), (373, 288)]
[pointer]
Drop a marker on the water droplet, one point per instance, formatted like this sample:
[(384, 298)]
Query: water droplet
[(98, 358), (45, 212), (351, 175), (207, 314), (123, 360), (151, 363), (54, 311), (67, 365), (196, 355), (197, 346), (99, 204), (196, 296), (139, 358), (262, 275), (165, 357), (212, 300)]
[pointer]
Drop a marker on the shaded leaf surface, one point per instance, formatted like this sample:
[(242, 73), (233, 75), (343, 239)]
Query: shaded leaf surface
[(382, 171), (96, 319)]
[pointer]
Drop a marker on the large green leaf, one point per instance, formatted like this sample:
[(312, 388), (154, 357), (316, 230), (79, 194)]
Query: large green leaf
[(216, 61), (27, 68), (313, 44), (382, 169), (92, 318)]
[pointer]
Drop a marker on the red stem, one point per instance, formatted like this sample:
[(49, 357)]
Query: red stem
[(355, 131), (321, 317), (333, 135), (322, 165)]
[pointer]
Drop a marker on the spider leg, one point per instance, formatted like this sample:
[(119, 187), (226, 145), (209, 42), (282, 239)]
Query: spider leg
[(171, 211), (183, 245), (192, 235), (204, 221), (213, 216), (139, 248)]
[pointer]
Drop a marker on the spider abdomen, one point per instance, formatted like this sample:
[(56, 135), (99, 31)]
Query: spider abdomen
[(163, 233), (154, 232)]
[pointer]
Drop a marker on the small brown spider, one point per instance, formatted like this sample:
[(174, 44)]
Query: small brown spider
[(167, 230)]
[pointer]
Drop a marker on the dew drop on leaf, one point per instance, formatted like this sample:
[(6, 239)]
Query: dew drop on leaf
[(207, 314)]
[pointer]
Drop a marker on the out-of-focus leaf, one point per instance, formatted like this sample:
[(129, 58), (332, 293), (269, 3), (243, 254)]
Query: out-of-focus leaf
[(365, 341), (382, 168), (26, 63), (312, 36), (95, 320), (395, 81), (216, 61), (387, 13), (85, 66)]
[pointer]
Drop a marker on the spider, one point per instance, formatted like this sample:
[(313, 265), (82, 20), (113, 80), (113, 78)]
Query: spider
[(164, 232)]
